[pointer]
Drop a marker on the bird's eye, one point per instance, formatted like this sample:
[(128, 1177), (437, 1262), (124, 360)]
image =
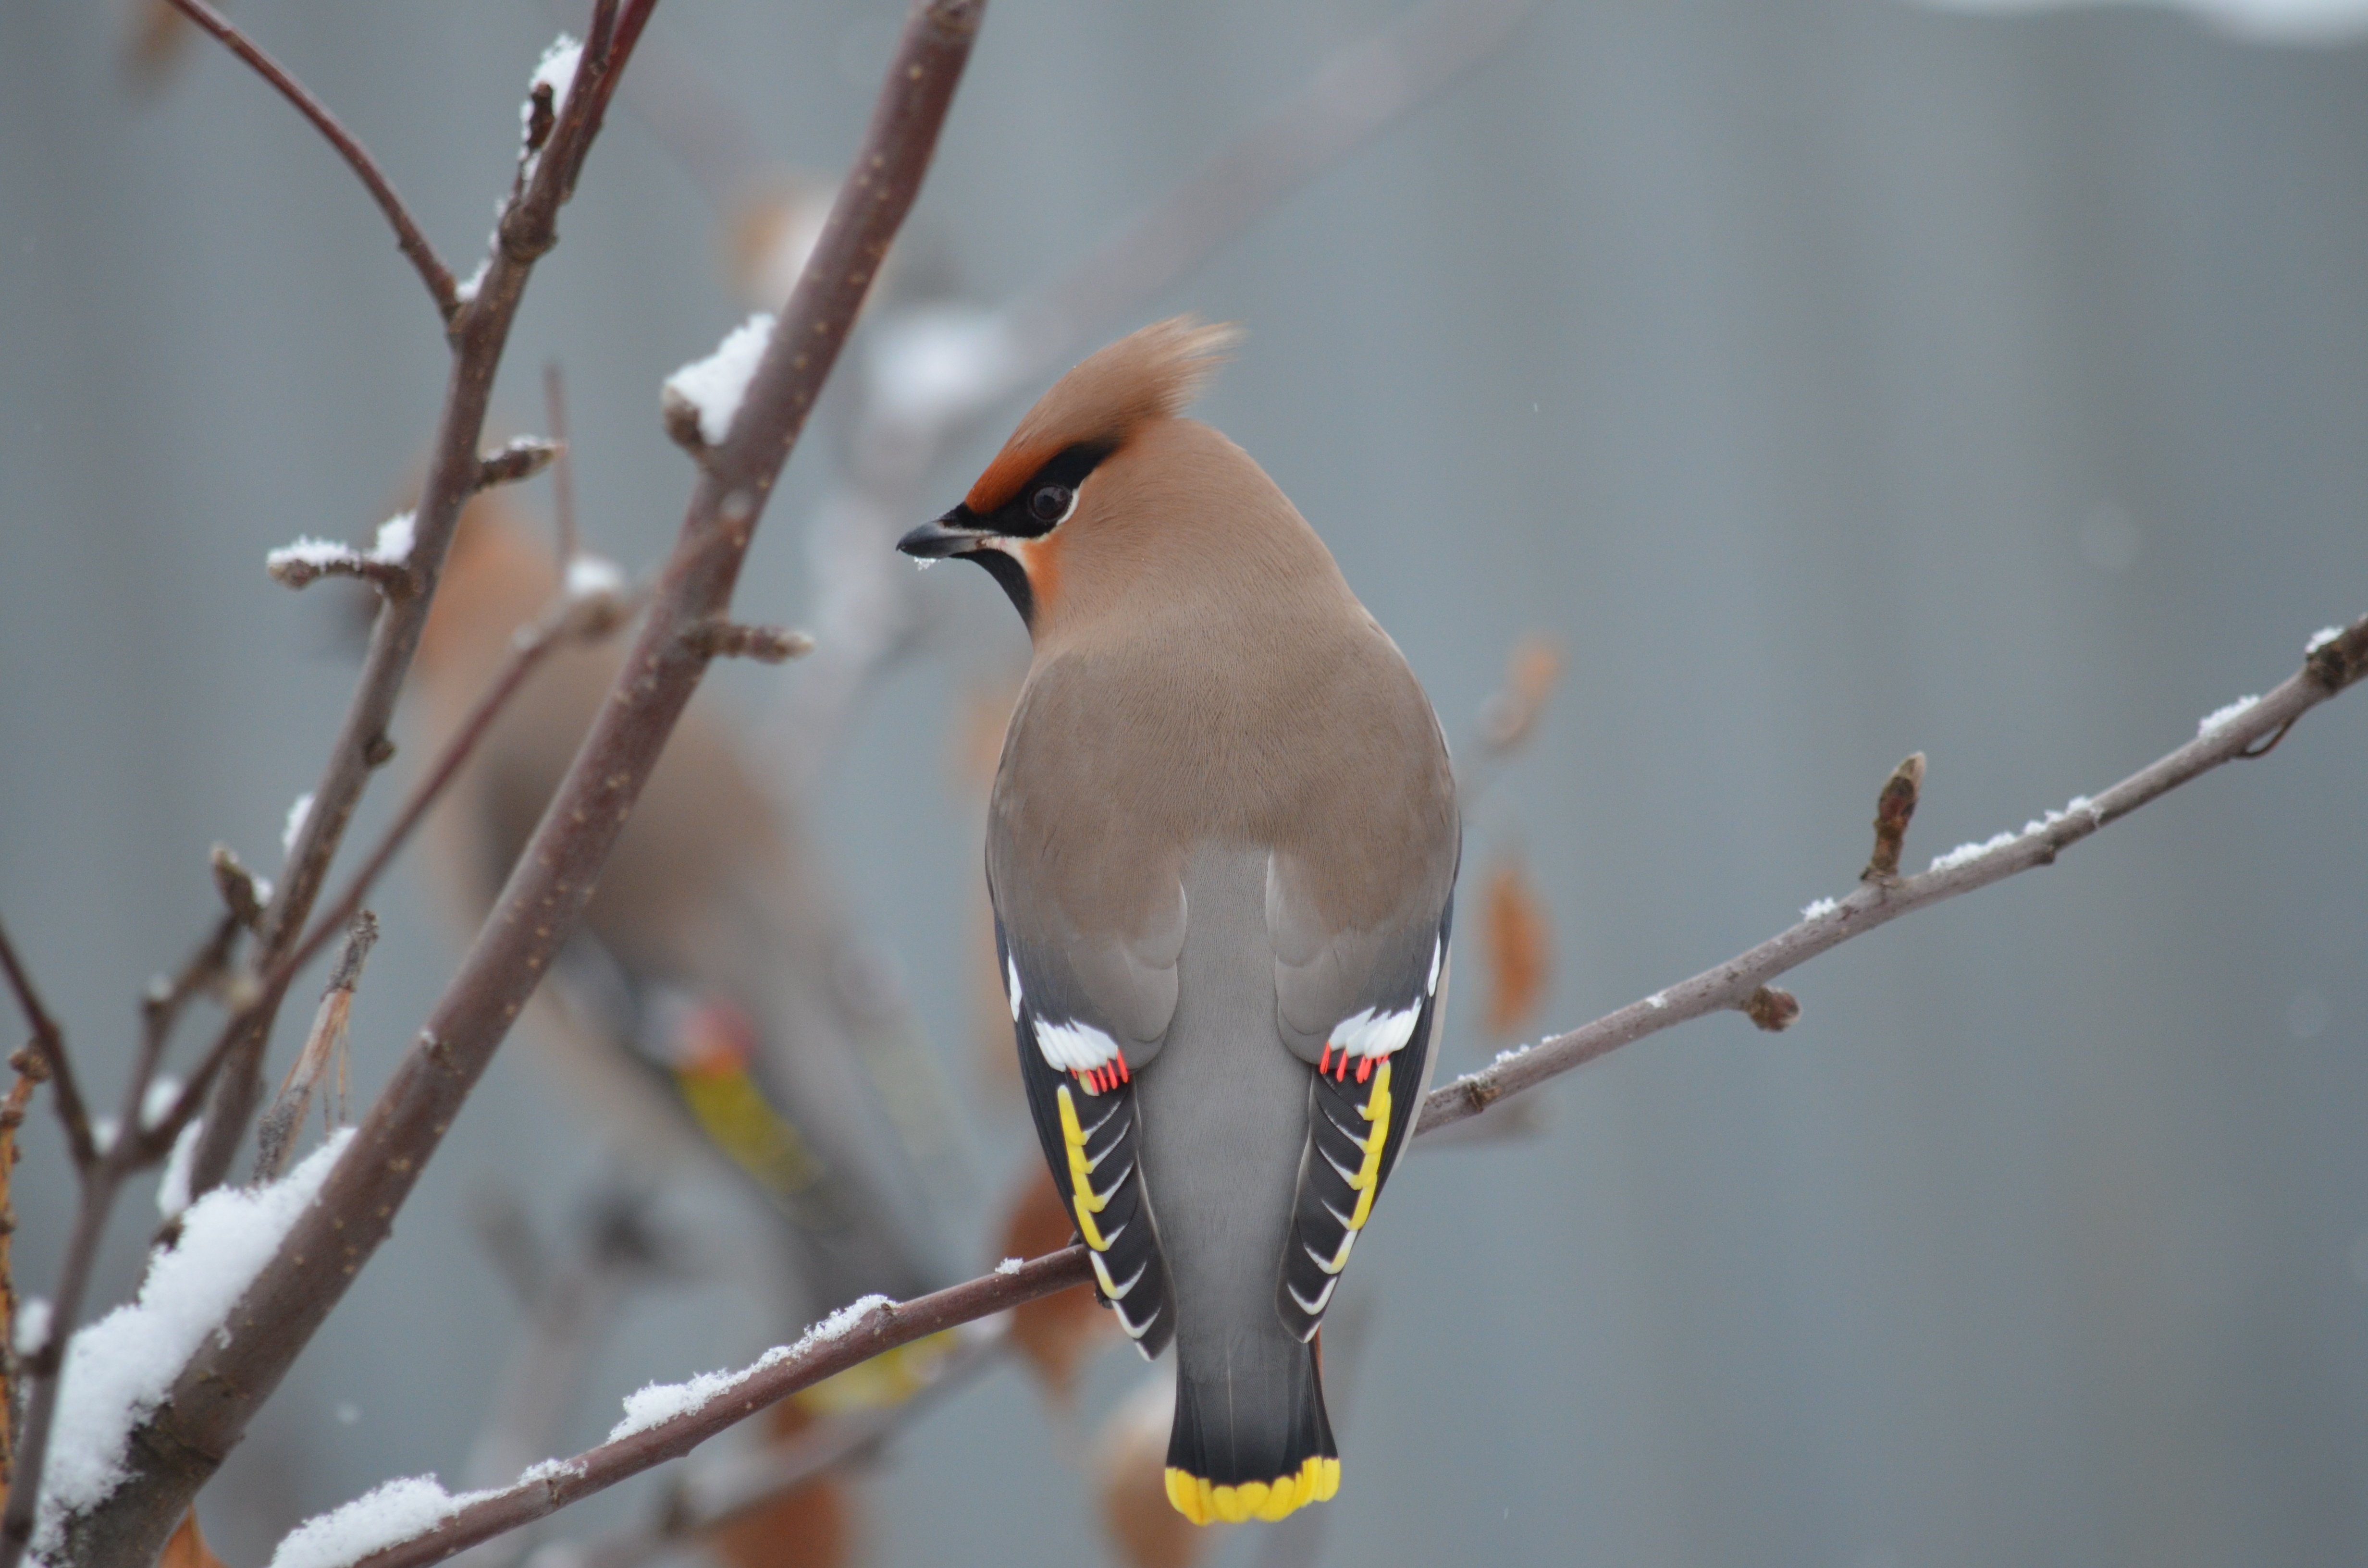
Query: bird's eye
[(1053, 503)]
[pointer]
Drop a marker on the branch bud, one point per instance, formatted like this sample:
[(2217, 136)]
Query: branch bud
[(2336, 662), (1892, 808), (681, 417), (521, 458), (237, 885), (719, 639), (1773, 1008)]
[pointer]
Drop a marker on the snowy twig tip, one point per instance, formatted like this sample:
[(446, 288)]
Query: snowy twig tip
[(701, 400), (523, 457), (386, 566), (2337, 656), (766, 644), (243, 892)]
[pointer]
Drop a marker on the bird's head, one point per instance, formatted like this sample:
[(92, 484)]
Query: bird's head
[(1039, 510)]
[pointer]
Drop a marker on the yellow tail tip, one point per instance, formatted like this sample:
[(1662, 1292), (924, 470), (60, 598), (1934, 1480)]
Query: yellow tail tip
[(1205, 1502)]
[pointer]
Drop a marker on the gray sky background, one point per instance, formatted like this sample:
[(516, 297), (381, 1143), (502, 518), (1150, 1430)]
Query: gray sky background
[(1832, 378)]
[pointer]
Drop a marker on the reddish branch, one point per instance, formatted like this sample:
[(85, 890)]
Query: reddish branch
[(407, 237), (1737, 986), (32, 1069), (220, 1391), (51, 1042)]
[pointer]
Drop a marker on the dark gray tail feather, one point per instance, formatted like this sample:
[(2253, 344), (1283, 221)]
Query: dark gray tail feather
[(1260, 1420)]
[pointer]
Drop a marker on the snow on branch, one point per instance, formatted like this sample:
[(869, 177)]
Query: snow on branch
[(701, 400), (119, 1369), (386, 564)]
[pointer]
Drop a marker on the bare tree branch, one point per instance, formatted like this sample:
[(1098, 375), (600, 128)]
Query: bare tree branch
[(206, 1413), (50, 1041), (2333, 664), (407, 237), (2330, 666), (586, 616), (32, 1070)]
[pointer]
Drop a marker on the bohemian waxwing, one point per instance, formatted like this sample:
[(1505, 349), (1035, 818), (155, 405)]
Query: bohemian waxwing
[(714, 1003), (1222, 849)]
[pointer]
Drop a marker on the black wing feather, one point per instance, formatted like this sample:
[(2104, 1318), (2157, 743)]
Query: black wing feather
[(1115, 1222), (1332, 1206)]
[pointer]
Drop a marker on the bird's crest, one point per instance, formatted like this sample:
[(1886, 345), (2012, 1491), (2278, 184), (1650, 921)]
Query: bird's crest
[(1149, 374)]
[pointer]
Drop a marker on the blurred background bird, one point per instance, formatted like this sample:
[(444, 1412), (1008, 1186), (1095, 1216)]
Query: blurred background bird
[(717, 1005)]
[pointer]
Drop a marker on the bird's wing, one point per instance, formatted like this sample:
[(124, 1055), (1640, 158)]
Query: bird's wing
[(1363, 1007), (1081, 1094), (1089, 927)]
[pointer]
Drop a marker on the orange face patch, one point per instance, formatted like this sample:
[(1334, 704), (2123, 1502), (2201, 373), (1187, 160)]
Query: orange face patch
[(1012, 468), (1040, 559)]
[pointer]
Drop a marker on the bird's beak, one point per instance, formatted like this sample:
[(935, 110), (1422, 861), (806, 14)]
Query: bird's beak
[(956, 532)]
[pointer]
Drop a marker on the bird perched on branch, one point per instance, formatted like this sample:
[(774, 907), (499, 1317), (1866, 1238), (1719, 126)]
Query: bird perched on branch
[(1222, 848), (715, 1004)]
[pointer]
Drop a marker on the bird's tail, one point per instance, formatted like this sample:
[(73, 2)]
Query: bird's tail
[(1251, 1441)]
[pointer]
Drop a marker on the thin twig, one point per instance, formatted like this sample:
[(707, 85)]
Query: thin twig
[(32, 1069), (50, 1041), (275, 1134), (407, 237), (207, 1411), (202, 973), (520, 457), (563, 477), (2332, 666)]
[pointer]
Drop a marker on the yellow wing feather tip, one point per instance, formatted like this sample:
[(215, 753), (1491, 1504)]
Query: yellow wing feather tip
[(1082, 1201), (1367, 1179), (1205, 1502)]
